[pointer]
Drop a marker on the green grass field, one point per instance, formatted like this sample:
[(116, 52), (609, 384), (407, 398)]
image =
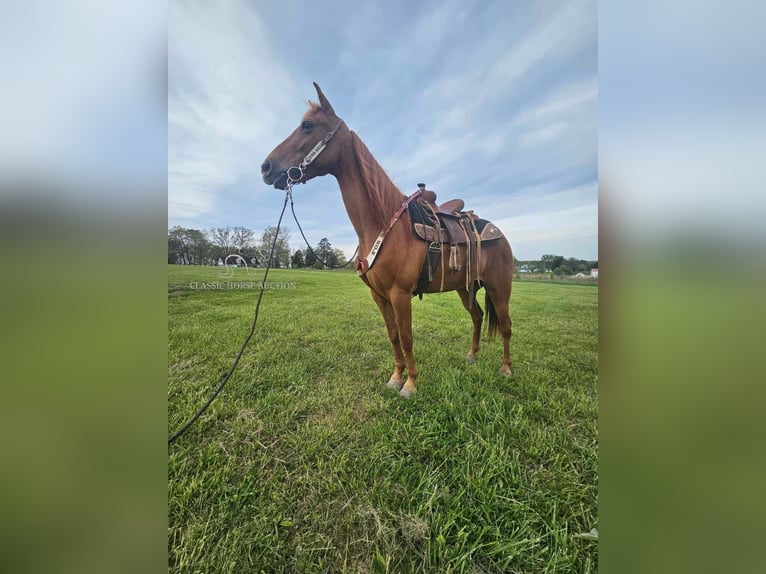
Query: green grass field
[(307, 463)]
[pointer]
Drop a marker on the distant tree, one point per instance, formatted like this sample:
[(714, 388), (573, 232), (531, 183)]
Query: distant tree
[(551, 262), (281, 248), (199, 246), (309, 259), (188, 246), (242, 240), (568, 267), (325, 254), (176, 246), (297, 259), (223, 237), (340, 257)]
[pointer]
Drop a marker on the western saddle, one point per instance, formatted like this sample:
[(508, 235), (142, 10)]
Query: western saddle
[(448, 208), (447, 223)]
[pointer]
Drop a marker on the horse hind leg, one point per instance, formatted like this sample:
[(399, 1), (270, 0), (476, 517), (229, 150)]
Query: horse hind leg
[(497, 303), (477, 316)]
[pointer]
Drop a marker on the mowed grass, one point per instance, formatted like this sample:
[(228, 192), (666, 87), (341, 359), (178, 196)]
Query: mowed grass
[(307, 463)]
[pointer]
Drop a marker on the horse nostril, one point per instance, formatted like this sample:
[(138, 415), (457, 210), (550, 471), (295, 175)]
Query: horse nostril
[(266, 167)]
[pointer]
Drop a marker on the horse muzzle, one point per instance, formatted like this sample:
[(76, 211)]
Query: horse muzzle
[(272, 174)]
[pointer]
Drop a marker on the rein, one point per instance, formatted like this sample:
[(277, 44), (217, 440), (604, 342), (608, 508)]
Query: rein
[(308, 245), (219, 388)]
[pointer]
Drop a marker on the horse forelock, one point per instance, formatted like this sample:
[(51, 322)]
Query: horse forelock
[(380, 189), (313, 108)]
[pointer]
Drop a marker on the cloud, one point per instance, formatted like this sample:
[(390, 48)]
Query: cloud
[(544, 135), (560, 32), (227, 89), (464, 115), (704, 173), (534, 234), (566, 101), (83, 86)]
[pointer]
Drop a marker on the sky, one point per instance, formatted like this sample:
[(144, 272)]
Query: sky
[(682, 118), (83, 104), (493, 102)]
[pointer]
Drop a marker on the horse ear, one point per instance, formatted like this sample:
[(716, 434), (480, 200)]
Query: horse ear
[(323, 101)]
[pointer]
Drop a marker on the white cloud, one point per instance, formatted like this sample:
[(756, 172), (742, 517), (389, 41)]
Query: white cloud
[(72, 74), (459, 116), (565, 102), (537, 201), (559, 33), (534, 234), (224, 105), (706, 174), (568, 115), (544, 135)]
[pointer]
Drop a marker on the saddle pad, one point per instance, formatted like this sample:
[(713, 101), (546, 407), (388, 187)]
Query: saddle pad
[(487, 230), (421, 220)]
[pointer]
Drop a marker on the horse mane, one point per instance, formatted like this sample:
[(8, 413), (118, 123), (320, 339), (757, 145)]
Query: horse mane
[(381, 191)]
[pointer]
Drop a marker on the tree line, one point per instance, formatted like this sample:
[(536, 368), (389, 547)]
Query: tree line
[(212, 247), (556, 264)]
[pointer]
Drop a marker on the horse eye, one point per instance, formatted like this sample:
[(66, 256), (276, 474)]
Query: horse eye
[(306, 126)]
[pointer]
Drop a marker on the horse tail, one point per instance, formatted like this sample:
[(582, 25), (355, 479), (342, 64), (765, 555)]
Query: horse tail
[(493, 323)]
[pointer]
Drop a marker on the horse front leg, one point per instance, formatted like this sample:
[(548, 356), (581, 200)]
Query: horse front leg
[(395, 382), (402, 305)]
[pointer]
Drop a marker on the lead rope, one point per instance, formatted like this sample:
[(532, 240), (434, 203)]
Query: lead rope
[(292, 208), (310, 157), (179, 432)]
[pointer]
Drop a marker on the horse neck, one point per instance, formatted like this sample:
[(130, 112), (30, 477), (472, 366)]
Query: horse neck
[(370, 197)]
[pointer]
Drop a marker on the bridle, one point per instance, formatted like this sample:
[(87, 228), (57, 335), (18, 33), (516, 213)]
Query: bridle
[(362, 265), (310, 157)]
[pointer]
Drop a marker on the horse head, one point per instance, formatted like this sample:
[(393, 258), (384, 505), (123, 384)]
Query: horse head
[(309, 151)]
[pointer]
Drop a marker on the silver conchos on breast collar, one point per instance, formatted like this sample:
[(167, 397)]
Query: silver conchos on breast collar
[(295, 174)]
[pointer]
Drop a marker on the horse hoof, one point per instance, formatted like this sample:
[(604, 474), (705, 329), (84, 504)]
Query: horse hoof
[(406, 393), (394, 385), (470, 360), (506, 373)]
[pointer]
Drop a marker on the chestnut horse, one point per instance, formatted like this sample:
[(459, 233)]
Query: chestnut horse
[(322, 144)]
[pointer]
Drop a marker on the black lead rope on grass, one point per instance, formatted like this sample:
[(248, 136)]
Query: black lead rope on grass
[(190, 422)]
